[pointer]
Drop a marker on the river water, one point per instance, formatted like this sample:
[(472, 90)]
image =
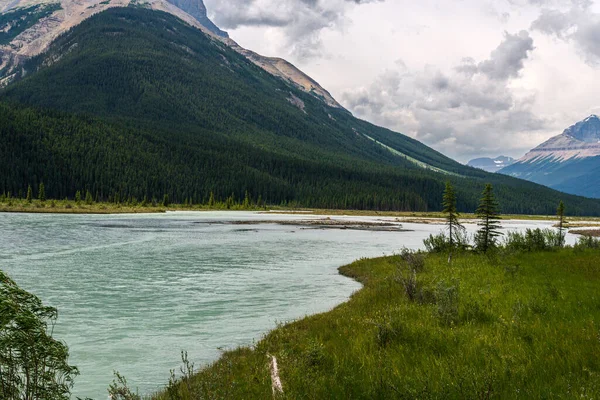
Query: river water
[(134, 290)]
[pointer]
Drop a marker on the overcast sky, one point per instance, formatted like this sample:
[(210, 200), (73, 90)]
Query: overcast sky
[(469, 78)]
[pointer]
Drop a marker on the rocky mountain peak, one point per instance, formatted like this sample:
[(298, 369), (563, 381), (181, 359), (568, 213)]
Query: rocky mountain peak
[(197, 10), (587, 131)]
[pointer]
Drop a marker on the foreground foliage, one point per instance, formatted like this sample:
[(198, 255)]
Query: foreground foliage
[(511, 325), (33, 365)]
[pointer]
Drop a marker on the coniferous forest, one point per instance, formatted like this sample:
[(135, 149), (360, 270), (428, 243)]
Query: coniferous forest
[(134, 103)]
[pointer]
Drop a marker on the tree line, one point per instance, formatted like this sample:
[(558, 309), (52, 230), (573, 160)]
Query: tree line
[(489, 223)]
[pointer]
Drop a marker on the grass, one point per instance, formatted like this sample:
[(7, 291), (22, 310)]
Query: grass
[(72, 207), (506, 326)]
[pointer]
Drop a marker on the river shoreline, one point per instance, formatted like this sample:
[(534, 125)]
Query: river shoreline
[(421, 217)]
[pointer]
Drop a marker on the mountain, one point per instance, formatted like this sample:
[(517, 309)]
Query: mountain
[(135, 102), (491, 164), (569, 162), (27, 27)]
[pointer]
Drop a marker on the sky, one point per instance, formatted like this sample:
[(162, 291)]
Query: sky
[(470, 78)]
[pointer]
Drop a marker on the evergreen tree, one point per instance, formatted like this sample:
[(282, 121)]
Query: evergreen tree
[(246, 200), (78, 197), (165, 201), (230, 201), (489, 220), (211, 200), (88, 198), (560, 212), (29, 194), (454, 226), (42, 193), (145, 201)]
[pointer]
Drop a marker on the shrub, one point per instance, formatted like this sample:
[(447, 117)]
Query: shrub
[(315, 353), (33, 364), (437, 243), (447, 300), (414, 259), (532, 240), (119, 390), (587, 242)]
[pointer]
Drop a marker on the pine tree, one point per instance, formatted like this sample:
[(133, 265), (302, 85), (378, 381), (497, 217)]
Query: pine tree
[(165, 201), (29, 194), (78, 197), (88, 198), (230, 201), (211, 200), (246, 200), (560, 212), (449, 208), (42, 193), (489, 220)]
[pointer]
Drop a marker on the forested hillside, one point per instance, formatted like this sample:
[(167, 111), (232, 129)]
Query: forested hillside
[(135, 103)]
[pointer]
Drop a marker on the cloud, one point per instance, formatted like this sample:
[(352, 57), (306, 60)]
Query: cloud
[(507, 60), (467, 112), (579, 25), (301, 21)]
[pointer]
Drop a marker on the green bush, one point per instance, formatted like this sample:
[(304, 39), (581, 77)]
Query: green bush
[(33, 365), (532, 240), (587, 242)]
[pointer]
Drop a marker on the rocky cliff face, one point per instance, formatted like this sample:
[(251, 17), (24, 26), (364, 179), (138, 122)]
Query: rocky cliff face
[(197, 10), (47, 19)]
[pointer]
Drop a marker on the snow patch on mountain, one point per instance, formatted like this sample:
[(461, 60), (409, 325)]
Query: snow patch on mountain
[(491, 164)]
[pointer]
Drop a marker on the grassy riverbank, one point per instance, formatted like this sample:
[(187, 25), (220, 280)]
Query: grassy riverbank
[(81, 207), (515, 326)]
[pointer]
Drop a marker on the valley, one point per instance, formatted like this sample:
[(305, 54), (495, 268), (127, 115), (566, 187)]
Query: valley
[(190, 219)]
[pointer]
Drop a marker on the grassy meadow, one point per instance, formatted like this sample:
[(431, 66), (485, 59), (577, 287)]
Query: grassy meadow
[(523, 325)]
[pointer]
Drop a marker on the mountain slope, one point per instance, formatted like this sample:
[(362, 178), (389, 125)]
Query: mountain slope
[(156, 106), (569, 162), (27, 27)]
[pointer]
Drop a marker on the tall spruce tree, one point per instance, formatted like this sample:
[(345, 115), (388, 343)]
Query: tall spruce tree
[(29, 194), (42, 193), (489, 220), (88, 198), (560, 212), (452, 223)]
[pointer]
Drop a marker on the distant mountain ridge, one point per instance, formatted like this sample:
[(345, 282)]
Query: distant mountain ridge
[(569, 161), (491, 164)]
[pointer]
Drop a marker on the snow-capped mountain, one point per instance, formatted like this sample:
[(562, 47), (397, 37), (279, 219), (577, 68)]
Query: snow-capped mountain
[(28, 27), (569, 162), (491, 164)]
